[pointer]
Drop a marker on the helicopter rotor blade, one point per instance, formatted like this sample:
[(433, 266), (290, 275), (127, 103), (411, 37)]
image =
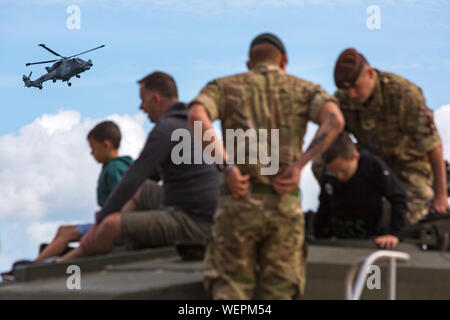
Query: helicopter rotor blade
[(87, 51), (48, 49), (29, 64)]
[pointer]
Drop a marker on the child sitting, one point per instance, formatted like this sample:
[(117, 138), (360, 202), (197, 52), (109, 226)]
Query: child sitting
[(104, 140), (351, 204)]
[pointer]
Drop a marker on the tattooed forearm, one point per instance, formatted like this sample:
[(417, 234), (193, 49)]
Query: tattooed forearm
[(332, 121), (328, 130), (317, 142), (331, 124)]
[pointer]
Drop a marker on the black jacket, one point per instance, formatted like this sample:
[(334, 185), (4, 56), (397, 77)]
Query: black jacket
[(354, 209)]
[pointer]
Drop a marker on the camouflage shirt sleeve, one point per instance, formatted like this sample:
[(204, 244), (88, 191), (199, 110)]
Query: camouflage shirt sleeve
[(419, 122), (341, 97), (212, 98), (317, 99), (343, 103)]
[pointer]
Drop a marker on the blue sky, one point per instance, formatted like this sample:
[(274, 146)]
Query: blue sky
[(195, 41), (198, 40)]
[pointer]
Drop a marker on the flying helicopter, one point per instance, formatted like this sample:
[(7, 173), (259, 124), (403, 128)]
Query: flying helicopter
[(64, 68)]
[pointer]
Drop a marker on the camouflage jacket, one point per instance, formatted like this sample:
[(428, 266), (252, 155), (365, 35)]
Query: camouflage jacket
[(395, 123), (265, 98)]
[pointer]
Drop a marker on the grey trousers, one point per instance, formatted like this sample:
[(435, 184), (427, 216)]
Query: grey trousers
[(154, 225)]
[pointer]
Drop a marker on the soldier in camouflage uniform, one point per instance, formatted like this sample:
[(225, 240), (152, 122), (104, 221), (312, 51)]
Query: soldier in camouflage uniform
[(259, 224), (388, 116)]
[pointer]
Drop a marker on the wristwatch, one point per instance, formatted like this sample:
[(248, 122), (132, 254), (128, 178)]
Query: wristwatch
[(223, 168)]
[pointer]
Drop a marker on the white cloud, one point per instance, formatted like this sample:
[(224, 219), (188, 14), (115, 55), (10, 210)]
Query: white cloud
[(308, 184), (46, 171), (40, 232), (442, 121), (63, 121)]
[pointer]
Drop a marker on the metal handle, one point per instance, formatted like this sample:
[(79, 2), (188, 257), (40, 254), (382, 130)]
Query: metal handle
[(354, 292)]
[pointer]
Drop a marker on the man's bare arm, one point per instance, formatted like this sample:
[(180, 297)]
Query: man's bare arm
[(331, 123), (237, 182), (198, 113), (440, 202)]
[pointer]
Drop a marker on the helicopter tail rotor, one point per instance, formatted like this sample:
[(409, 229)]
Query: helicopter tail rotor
[(27, 80), (30, 83)]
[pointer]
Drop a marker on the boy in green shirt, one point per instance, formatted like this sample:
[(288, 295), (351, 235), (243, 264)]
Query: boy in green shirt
[(104, 140)]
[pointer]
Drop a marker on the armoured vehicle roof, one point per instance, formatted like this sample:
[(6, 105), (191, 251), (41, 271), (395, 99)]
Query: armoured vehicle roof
[(160, 273)]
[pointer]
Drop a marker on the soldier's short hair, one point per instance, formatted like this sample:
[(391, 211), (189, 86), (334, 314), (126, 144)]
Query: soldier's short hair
[(162, 83), (342, 147), (264, 52), (106, 130), (268, 37)]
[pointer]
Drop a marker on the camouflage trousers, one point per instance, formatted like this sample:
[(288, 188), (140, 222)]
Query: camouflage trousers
[(416, 178), (258, 238)]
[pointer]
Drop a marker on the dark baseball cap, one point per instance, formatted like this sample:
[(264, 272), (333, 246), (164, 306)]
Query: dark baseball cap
[(269, 38)]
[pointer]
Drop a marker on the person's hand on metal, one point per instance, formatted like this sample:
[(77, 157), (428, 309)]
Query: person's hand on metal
[(440, 204), (386, 241), (287, 181), (237, 182)]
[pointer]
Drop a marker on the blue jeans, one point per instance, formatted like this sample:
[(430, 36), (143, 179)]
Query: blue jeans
[(83, 228)]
